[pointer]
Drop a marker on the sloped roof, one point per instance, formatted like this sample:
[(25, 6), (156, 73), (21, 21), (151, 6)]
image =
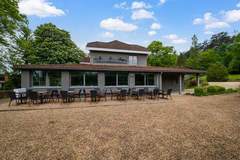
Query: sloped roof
[(116, 45), (106, 67)]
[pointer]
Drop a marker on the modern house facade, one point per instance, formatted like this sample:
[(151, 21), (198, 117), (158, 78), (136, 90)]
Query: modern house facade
[(111, 65)]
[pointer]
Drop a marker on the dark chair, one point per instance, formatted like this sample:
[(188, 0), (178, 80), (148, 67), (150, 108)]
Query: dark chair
[(54, 94), (34, 98), (94, 96), (156, 92), (141, 94), (122, 94), (13, 97), (66, 97), (167, 94), (85, 94)]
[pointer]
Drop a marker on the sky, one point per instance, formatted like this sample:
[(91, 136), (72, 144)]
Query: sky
[(173, 22)]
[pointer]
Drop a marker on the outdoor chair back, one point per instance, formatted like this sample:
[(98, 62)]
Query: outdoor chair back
[(93, 95), (33, 97), (12, 97)]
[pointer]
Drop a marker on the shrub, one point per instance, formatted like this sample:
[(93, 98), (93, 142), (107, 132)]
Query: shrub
[(217, 72), (230, 90), (200, 91), (215, 90)]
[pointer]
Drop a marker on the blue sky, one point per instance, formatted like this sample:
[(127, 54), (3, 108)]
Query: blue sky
[(136, 21)]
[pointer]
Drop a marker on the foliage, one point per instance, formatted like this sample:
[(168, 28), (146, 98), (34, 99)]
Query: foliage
[(10, 20), (163, 56), (234, 77), (54, 46), (14, 81), (200, 91), (217, 72), (212, 90)]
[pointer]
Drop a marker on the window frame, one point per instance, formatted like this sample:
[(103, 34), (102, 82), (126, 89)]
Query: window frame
[(145, 82), (45, 78)]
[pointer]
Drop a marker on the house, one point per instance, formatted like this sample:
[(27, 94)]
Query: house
[(111, 65)]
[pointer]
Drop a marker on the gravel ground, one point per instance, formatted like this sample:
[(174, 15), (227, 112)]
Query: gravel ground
[(186, 127)]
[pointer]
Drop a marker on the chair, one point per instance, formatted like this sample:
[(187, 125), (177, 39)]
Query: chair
[(167, 94), (141, 93), (85, 94), (54, 94), (122, 94), (156, 92), (34, 98), (67, 97), (12, 97), (94, 96)]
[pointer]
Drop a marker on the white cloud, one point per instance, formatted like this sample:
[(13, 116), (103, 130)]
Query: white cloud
[(117, 25), (232, 16), (40, 8), (210, 22), (108, 35), (155, 26), (140, 5), (142, 14), (208, 32), (173, 38), (152, 33), (238, 5), (122, 5), (162, 2)]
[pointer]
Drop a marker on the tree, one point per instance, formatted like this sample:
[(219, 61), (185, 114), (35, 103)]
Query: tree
[(53, 46), (10, 20), (163, 56), (194, 41), (217, 72)]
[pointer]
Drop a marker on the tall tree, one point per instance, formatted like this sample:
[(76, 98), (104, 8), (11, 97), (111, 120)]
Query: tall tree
[(10, 20), (194, 41), (54, 46), (161, 55)]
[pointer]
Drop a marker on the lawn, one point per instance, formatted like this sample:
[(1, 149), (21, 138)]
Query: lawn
[(234, 77), (186, 127)]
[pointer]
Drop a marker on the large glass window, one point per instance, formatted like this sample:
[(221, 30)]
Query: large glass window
[(149, 79), (91, 79), (110, 79), (39, 78), (139, 79), (54, 78), (77, 78), (122, 79)]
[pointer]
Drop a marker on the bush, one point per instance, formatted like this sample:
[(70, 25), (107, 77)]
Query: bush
[(200, 91), (230, 90), (215, 90), (217, 73)]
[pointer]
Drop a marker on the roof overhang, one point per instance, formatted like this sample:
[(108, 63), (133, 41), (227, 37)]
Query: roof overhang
[(105, 67), (116, 50)]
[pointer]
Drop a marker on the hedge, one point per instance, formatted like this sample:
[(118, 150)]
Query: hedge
[(212, 90)]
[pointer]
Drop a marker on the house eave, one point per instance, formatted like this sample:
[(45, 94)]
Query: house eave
[(117, 50)]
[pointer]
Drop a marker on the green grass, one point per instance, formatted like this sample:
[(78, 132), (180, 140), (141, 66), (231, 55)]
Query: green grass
[(231, 78), (234, 77)]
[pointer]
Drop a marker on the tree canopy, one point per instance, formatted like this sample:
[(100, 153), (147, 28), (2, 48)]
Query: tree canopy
[(53, 46), (163, 56)]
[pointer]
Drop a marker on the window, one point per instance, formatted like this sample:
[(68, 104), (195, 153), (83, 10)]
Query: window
[(91, 79), (110, 79), (149, 79), (139, 79), (122, 79), (133, 60), (54, 78), (77, 78), (39, 78)]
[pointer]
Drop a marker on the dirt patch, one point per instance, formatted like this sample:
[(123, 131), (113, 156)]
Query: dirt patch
[(183, 128), (233, 85)]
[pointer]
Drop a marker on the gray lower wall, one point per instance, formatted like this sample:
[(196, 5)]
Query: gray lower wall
[(169, 81)]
